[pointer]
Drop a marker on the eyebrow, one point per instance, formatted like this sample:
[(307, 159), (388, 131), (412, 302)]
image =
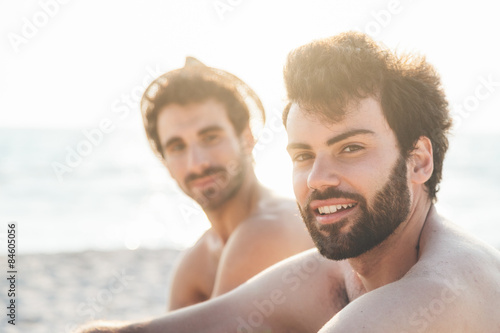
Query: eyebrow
[(206, 130), (210, 129), (346, 135), (171, 141), (332, 140)]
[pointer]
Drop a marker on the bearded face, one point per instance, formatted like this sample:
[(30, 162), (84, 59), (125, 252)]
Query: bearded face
[(357, 234), (203, 152)]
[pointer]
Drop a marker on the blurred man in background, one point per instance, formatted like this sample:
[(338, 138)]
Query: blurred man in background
[(197, 120)]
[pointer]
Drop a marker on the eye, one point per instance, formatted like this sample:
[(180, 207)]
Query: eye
[(175, 148), (211, 138), (301, 157), (352, 148)]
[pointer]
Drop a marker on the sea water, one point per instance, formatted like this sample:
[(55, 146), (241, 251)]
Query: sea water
[(120, 196)]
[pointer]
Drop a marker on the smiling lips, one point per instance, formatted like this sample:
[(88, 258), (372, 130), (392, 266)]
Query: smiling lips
[(331, 211)]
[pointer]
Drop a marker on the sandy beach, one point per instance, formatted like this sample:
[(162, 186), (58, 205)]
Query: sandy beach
[(58, 292)]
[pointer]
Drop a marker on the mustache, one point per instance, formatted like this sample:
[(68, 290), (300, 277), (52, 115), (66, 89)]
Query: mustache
[(207, 172), (333, 193)]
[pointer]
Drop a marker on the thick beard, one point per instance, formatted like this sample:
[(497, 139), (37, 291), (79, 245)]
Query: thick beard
[(390, 208), (220, 192)]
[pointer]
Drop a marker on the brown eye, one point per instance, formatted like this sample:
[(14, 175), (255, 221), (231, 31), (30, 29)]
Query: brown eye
[(211, 138), (301, 157), (178, 147), (175, 148), (352, 148)]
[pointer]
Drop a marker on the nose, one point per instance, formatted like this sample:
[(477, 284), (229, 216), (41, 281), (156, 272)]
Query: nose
[(197, 159), (324, 173)]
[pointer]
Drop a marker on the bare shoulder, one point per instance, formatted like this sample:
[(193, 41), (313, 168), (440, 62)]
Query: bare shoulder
[(209, 244), (448, 251), (279, 206), (454, 287), (271, 234), (279, 217), (464, 268), (274, 232)]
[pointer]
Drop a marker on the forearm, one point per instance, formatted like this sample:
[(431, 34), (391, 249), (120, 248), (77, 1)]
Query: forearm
[(111, 327), (211, 317)]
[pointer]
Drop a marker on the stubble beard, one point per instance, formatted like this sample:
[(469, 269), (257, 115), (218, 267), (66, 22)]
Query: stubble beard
[(223, 189)]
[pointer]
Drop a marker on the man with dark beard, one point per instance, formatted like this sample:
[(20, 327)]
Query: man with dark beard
[(371, 228), (367, 133), (197, 120)]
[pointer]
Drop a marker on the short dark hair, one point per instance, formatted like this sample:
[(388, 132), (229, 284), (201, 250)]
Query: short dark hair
[(324, 76), (196, 83)]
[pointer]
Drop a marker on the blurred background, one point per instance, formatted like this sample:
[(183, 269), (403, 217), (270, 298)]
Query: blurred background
[(76, 171)]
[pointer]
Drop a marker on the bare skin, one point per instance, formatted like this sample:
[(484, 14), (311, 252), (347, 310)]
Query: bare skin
[(312, 294), (251, 229), (427, 276), (212, 267)]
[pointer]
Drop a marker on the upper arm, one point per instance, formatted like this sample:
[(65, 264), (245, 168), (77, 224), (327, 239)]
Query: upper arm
[(294, 295), (252, 248), (184, 287), (402, 306), (278, 300)]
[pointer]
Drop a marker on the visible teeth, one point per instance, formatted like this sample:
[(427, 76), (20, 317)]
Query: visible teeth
[(334, 208)]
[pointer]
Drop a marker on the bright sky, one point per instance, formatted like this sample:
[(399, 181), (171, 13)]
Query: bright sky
[(69, 63), (72, 65)]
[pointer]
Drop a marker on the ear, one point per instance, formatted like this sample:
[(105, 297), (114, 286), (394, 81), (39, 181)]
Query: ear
[(247, 140), (421, 163)]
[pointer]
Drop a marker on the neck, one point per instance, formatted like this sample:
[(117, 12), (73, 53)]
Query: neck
[(226, 218), (393, 258)]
